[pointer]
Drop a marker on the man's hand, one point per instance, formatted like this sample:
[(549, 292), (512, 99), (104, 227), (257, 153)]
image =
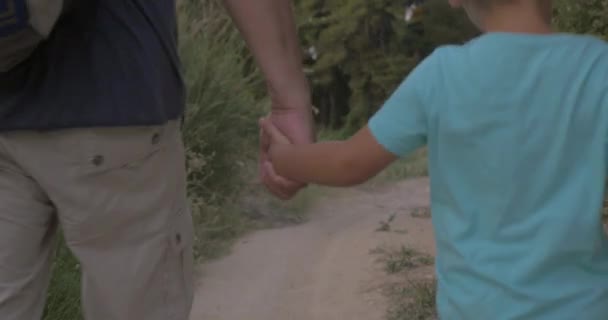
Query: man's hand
[(297, 126), (274, 137)]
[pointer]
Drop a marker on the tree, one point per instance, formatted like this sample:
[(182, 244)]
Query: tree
[(360, 50), (583, 16)]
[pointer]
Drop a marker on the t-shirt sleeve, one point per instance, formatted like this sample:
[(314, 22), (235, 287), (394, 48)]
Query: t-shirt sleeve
[(401, 124)]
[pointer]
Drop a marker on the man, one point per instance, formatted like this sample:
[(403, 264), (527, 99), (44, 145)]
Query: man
[(89, 140)]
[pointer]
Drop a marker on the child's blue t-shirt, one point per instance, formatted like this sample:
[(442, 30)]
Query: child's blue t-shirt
[(517, 130)]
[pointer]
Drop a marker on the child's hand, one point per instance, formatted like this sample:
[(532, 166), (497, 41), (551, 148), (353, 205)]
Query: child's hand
[(273, 134), (272, 138)]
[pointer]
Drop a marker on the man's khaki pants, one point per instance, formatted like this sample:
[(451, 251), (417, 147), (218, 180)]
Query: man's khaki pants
[(119, 195)]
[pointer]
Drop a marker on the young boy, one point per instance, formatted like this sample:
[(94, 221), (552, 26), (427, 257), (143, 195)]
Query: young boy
[(516, 124)]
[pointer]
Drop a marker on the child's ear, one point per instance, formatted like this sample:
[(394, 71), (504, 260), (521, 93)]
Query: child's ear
[(456, 3)]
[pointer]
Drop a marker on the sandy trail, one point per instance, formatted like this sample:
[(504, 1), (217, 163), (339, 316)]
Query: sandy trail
[(322, 269)]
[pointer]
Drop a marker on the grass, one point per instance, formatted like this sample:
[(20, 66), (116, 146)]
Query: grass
[(414, 165), (413, 300), (408, 299), (226, 97), (397, 260), (63, 302), (422, 212), (218, 226)]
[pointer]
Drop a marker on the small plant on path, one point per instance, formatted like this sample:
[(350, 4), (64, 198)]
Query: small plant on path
[(400, 259), (423, 212), (385, 226), (409, 299), (413, 300)]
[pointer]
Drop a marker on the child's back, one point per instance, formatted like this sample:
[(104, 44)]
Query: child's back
[(517, 131)]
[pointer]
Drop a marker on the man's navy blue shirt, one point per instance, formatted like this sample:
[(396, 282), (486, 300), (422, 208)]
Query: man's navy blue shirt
[(107, 63)]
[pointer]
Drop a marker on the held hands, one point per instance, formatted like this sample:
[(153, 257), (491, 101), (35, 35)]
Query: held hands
[(292, 116), (273, 137), (269, 29), (282, 127)]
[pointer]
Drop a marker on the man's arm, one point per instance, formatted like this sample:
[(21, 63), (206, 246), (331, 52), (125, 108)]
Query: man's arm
[(269, 29)]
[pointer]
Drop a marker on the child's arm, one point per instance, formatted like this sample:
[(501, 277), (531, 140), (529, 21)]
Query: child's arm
[(398, 128), (336, 163)]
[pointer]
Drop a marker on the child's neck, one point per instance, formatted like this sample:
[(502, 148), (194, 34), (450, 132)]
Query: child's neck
[(522, 18)]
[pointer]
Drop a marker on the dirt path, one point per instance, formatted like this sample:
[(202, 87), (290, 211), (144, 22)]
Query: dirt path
[(320, 270)]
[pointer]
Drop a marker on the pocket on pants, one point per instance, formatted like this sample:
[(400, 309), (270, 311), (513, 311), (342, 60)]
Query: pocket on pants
[(123, 175), (180, 266), (108, 149)]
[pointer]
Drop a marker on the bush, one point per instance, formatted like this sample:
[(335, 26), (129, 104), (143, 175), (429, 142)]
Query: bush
[(359, 51), (220, 129), (583, 16)]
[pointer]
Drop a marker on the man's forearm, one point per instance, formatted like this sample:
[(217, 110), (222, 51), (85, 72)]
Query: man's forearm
[(269, 29)]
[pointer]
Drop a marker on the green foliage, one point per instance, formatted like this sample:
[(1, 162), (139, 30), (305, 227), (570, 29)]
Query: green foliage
[(583, 16), (413, 300), (366, 48), (220, 130), (221, 106), (398, 260), (63, 302)]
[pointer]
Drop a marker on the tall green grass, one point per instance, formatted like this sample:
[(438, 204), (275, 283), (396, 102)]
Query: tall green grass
[(220, 129), (63, 302)]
